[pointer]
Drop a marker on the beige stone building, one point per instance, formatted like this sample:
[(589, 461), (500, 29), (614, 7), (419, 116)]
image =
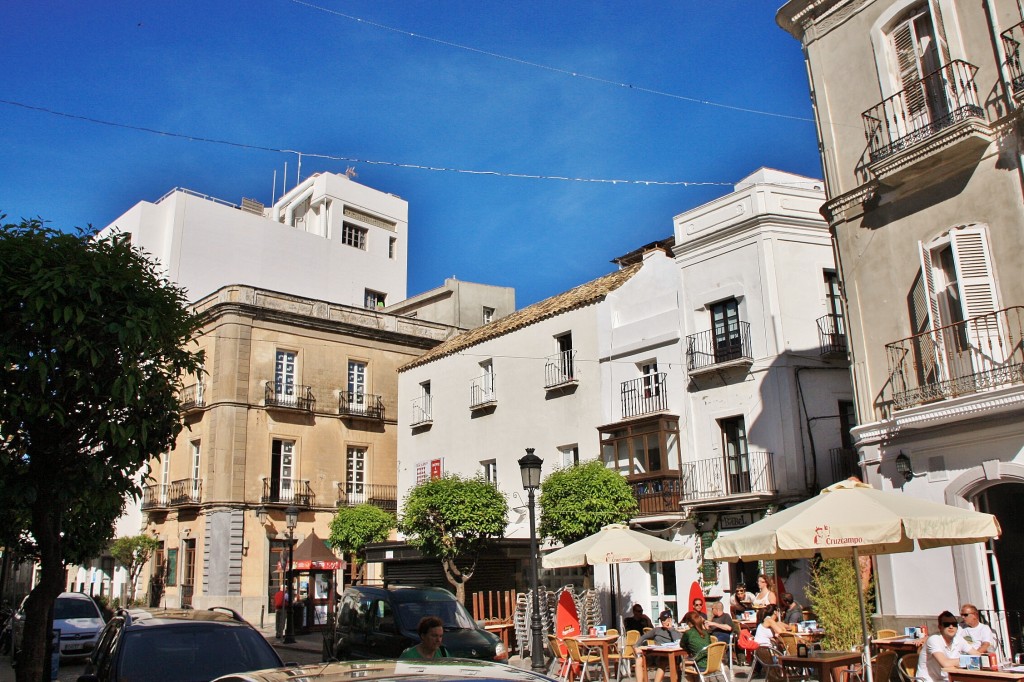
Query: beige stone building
[(918, 110), (297, 407)]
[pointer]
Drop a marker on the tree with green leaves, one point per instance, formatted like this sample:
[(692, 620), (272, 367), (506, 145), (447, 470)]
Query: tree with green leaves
[(579, 500), (92, 348), (454, 519), (833, 600), (352, 528), (133, 552)]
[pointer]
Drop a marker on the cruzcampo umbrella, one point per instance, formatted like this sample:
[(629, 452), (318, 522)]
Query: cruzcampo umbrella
[(849, 519)]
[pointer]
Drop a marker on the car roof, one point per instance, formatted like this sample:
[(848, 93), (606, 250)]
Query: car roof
[(74, 595), (406, 592), (438, 670), (150, 617)]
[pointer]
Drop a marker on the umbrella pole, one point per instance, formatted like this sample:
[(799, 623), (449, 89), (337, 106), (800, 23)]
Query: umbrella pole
[(866, 654)]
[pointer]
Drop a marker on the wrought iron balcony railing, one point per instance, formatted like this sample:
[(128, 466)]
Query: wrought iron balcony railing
[(180, 493), (191, 397), (295, 491), (657, 494), (422, 414), (645, 395), (365, 405), (844, 463), (560, 369), (706, 350), (941, 99), (716, 478), (294, 397), (1012, 38), (381, 496), (481, 392), (975, 355), (832, 334)]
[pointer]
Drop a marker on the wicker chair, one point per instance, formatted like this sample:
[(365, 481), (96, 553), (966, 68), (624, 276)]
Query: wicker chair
[(584, 660), (907, 667), (625, 656), (559, 657), (885, 634)]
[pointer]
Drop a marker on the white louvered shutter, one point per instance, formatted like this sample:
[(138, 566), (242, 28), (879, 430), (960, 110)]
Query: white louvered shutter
[(978, 295), (929, 347)]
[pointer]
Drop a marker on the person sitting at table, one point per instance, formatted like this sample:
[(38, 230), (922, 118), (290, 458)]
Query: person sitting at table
[(792, 613), (431, 632), (638, 621), (765, 595), (741, 601), (697, 638), (941, 652), (721, 623), (663, 634), (768, 626), (974, 632)]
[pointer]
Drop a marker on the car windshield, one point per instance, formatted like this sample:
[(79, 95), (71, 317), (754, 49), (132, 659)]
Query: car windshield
[(193, 653), (66, 609), (453, 614)]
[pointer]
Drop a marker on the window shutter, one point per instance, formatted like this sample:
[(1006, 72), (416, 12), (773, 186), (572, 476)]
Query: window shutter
[(973, 257), (928, 347), (939, 29)]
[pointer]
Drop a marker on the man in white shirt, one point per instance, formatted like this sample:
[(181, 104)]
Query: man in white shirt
[(974, 632), (941, 652)]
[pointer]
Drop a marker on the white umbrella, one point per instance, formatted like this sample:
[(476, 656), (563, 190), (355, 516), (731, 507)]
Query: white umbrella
[(851, 518)]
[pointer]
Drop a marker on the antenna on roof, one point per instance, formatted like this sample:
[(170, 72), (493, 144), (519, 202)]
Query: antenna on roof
[(273, 190), (351, 172)]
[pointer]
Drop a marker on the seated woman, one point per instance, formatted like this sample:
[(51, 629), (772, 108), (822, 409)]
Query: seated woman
[(765, 594), (768, 625), (697, 639), (431, 632)]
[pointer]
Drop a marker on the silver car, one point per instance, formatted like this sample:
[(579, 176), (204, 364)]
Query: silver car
[(77, 618)]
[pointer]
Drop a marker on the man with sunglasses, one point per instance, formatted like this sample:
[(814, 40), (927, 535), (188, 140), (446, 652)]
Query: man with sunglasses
[(941, 652), (974, 632)]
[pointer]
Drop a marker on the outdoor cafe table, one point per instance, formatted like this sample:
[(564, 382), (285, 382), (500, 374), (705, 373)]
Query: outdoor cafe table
[(603, 642), (960, 675), (675, 655), (826, 664), (901, 645)]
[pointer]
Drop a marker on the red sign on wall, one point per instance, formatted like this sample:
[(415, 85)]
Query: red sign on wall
[(436, 468)]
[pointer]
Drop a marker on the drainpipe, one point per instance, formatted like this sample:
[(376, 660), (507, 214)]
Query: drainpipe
[(997, 45)]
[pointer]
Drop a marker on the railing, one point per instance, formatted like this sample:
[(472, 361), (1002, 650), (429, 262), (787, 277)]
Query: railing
[(353, 404), (717, 477), (658, 494), (421, 411), (937, 101), (381, 496), (844, 463), (832, 334), (645, 395), (560, 369), (1008, 627), (295, 397), (191, 397), (975, 355), (1012, 39), (707, 349), (288, 491), (178, 493), (481, 391)]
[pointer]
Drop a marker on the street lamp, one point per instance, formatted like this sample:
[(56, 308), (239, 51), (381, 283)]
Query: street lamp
[(291, 519), (904, 467), (529, 467)]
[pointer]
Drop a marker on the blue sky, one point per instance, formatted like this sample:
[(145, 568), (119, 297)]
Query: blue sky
[(479, 85)]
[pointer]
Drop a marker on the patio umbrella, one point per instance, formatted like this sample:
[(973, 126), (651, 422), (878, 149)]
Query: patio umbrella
[(851, 518)]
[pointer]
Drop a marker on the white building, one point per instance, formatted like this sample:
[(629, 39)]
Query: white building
[(703, 379)]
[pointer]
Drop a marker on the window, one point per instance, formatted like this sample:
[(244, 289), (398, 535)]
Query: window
[(566, 357), (172, 567), (284, 374), (917, 51), (488, 316), (282, 470), (165, 476), (725, 325), (570, 455), (421, 405), (481, 390), (355, 470), (643, 448), (489, 469), (488, 379), (353, 235), (833, 295), (651, 380), (663, 587), (373, 299), (195, 469), (392, 247), (737, 458), (356, 383), (847, 420)]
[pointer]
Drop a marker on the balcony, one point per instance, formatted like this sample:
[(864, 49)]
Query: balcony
[(646, 395), (832, 335), (972, 356), (361, 406), (1012, 39), (940, 116), (293, 397), (381, 496), (657, 494), (291, 491), (709, 351), (422, 414), (560, 370), (719, 479), (844, 463), (481, 392), (192, 397), (181, 493)]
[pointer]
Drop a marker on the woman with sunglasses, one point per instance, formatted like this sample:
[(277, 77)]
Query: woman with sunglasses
[(941, 651)]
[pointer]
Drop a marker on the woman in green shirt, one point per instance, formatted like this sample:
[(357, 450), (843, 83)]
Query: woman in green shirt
[(697, 638), (431, 632)]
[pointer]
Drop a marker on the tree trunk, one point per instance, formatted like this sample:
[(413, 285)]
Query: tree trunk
[(34, 660), (458, 579)]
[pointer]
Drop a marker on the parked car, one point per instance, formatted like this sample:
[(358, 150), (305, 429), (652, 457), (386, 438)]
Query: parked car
[(177, 645), (438, 670), (77, 617), (377, 622)]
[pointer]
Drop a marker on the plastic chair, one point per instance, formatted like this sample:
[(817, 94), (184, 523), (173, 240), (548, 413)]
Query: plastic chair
[(885, 634), (559, 657), (789, 642), (611, 632), (907, 667), (625, 656), (774, 671), (582, 659)]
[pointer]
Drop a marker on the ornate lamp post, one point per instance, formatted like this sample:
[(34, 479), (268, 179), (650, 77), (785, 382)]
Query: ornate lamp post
[(291, 519), (529, 467)]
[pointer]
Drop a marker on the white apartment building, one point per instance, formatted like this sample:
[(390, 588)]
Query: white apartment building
[(699, 375)]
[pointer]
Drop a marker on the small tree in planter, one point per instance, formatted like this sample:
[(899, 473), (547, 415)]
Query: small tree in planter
[(833, 597), (352, 528)]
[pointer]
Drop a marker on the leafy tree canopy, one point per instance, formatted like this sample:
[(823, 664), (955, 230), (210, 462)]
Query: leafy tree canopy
[(133, 552), (579, 500), (93, 344), (352, 528), (453, 519)]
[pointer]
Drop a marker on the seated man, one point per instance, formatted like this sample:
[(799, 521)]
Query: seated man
[(740, 602), (721, 623), (974, 632), (662, 634), (941, 652), (792, 613), (638, 621)]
